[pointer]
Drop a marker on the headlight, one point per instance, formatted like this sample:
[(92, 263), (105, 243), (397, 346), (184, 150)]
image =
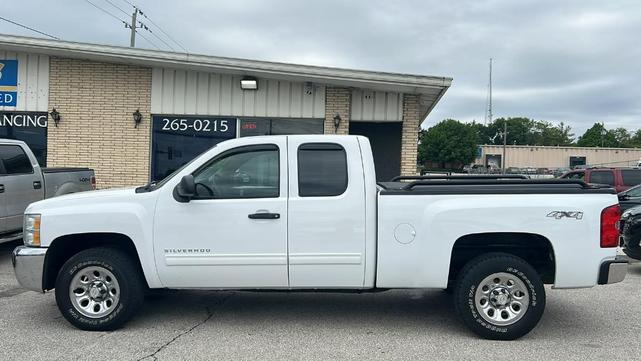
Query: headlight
[(31, 230)]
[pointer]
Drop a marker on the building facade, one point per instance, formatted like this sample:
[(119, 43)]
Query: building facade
[(136, 115), (524, 156)]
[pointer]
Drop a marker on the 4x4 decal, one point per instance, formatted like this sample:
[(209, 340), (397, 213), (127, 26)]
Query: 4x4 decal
[(565, 214)]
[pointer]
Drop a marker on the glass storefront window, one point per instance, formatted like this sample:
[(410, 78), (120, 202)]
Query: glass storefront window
[(279, 126), (29, 127), (178, 139)]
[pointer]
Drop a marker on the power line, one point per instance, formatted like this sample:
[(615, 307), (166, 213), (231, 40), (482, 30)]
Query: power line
[(136, 8), (118, 7), (157, 37), (107, 12), (28, 28), (164, 32), (149, 41)]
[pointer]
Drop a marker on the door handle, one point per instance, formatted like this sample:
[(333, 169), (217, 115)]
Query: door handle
[(264, 215), (37, 185), (1, 188)]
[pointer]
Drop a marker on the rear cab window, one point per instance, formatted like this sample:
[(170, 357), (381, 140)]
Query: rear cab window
[(631, 177), (14, 160), (602, 177), (322, 170)]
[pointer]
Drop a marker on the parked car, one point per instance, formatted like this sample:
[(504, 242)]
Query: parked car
[(619, 178), (309, 214), (630, 226), (22, 181), (630, 198)]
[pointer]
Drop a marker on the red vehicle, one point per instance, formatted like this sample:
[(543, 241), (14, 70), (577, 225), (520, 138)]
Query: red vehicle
[(619, 178)]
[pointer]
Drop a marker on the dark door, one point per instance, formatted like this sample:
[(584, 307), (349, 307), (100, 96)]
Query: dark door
[(385, 139)]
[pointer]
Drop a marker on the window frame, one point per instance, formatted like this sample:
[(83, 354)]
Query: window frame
[(5, 172), (239, 150), (320, 146)]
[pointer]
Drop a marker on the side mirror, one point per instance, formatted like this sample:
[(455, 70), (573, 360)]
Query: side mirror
[(186, 189)]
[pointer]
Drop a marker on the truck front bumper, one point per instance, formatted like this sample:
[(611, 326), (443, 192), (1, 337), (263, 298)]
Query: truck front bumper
[(28, 264), (613, 271)]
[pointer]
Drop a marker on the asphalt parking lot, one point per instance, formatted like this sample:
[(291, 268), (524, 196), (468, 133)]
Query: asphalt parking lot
[(594, 324)]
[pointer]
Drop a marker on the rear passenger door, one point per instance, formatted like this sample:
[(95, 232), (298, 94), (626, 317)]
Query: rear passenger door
[(326, 213), (19, 182)]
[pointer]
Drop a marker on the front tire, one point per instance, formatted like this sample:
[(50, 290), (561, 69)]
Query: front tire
[(99, 289), (499, 296)]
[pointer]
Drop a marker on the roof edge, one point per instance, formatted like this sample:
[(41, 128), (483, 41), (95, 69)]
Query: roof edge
[(158, 57)]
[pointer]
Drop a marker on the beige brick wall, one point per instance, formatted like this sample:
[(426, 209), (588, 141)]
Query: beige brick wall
[(96, 102), (337, 101), (409, 142)]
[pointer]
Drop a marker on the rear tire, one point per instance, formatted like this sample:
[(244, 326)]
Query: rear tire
[(499, 296), (99, 289)]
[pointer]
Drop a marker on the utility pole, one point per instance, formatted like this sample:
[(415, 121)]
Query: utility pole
[(488, 110), (490, 105), (132, 43), (504, 144)]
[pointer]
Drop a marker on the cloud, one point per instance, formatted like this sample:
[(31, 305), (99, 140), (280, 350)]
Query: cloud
[(575, 61)]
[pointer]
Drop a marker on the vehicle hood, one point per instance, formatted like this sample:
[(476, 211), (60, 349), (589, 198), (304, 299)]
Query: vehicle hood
[(93, 197)]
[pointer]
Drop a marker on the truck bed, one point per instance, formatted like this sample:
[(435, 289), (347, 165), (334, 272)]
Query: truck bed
[(488, 185), (65, 169)]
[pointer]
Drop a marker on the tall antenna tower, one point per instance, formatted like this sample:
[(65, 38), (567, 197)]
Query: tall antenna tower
[(488, 111)]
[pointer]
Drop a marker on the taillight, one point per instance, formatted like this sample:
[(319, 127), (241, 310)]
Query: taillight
[(93, 182), (609, 231)]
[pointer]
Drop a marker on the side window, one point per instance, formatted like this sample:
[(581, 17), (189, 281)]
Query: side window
[(576, 175), (602, 177), (246, 172), (15, 160), (322, 170), (634, 192), (631, 177)]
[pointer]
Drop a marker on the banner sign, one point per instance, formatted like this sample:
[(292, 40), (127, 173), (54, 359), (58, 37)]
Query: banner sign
[(8, 83)]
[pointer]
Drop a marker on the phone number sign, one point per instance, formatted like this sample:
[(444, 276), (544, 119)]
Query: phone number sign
[(201, 126), (8, 83)]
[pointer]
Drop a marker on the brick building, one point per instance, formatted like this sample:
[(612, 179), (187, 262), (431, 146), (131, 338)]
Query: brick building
[(186, 103)]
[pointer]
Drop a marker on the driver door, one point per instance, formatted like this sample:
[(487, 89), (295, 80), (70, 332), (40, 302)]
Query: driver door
[(233, 234)]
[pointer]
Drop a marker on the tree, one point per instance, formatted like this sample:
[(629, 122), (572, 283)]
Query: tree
[(549, 134), (598, 136), (635, 141), (622, 137), (449, 141)]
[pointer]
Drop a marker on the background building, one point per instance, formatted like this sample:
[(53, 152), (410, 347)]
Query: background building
[(186, 103), (522, 156)]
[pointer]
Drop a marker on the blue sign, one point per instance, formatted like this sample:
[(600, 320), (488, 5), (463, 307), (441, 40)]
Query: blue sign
[(8, 82)]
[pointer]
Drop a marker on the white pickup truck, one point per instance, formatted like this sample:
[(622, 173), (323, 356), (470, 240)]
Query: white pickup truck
[(305, 212)]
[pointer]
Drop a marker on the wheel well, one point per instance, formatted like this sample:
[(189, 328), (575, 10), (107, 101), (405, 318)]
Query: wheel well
[(65, 247), (533, 248)]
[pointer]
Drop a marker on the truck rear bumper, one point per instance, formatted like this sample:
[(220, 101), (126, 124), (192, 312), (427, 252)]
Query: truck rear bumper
[(613, 271), (28, 264)]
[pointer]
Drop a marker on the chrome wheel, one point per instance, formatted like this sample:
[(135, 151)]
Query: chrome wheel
[(94, 292), (502, 299)]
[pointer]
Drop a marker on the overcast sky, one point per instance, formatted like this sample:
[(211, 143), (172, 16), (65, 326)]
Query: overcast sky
[(572, 61)]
